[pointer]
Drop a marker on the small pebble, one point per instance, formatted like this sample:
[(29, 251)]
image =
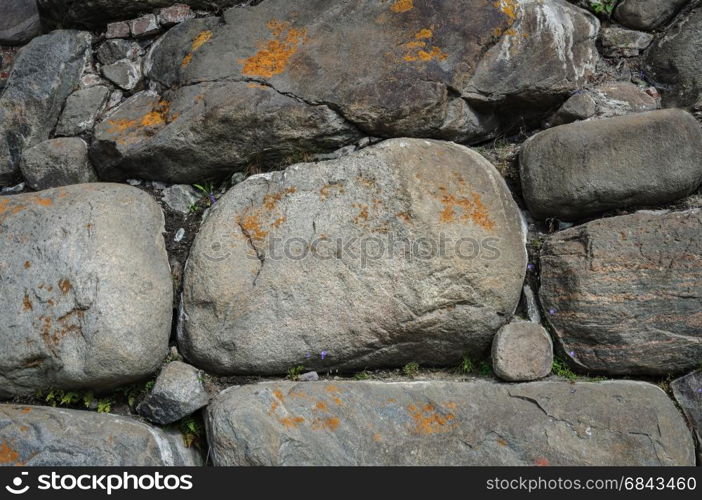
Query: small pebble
[(180, 234)]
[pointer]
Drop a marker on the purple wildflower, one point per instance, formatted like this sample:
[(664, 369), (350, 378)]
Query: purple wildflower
[(552, 311), (213, 200), (308, 355), (324, 354), (572, 354), (530, 267)]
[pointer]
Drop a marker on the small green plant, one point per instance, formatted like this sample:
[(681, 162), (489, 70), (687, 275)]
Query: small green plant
[(193, 208), (466, 365), (605, 7), (192, 430), (411, 370), (485, 369), (364, 375), (294, 372), (208, 190), (104, 405), (560, 369)]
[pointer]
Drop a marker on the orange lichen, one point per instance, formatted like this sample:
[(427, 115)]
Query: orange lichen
[(65, 286), (251, 226), (417, 49), (362, 214), (508, 8), (332, 388), (270, 201), (321, 406), (502, 442), (202, 38), (27, 264), (429, 421), (26, 303), (401, 6), (542, 462), (276, 223), (8, 455), (377, 437), (158, 116), (26, 410), (274, 55), (425, 33), (291, 422), (328, 424), (326, 190), (471, 209)]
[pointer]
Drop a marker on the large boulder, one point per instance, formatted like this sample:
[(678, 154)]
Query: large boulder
[(422, 237), (45, 73), (623, 294), (585, 168), (203, 131), (19, 22), (96, 13), (57, 162), (674, 61), (85, 288), (647, 14), (458, 70), (37, 436), (447, 424)]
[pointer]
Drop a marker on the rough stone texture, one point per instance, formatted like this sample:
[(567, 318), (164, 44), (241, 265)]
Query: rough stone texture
[(624, 293), (7, 59), (57, 162), (674, 61), (688, 393), (619, 42), (178, 393), (180, 197), (19, 22), (145, 136), (647, 14), (374, 223), (458, 70), (522, 351), (175, 14), (84, 278), (144, 26), (585, 168), (447, 423), (81, 110), (36, 436), (581, 106), (118, 30), (112, 51), (125, 73), (623, 98), (95, 13), (45, 73)]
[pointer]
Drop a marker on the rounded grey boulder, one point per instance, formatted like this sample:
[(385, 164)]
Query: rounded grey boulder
[(447, 424), (57, 162), (574, 171), (522, 351), (85, 286), (36, 436), (410, 250)]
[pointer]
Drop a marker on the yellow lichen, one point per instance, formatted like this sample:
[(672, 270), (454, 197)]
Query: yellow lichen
[(202, 38), (274, 55), (400, 6)]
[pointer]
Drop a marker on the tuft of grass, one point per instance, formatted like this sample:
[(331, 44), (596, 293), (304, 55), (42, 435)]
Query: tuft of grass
[(295, 372), (411, 370), (561, 369), (466, 365), (485, 369), (192, 429), (364, 375)]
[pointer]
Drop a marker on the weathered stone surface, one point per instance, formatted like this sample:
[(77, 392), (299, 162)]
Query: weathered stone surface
[(647, 14), (674, 61), (178, 393), (144, 26), (226, 124), (619, 42), (447, 423), (118, 30), (57, 162), (624, 293), (451, 70), (580, 106), (125, 73), (95, 13), (19, 22), (522, 351), (112, 51), (623, 98), (51, 437), (84, 279), (45, 73), (422, 237), (81, 111), (688, 393), (584, 168), (175, 14), (180, 197)]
